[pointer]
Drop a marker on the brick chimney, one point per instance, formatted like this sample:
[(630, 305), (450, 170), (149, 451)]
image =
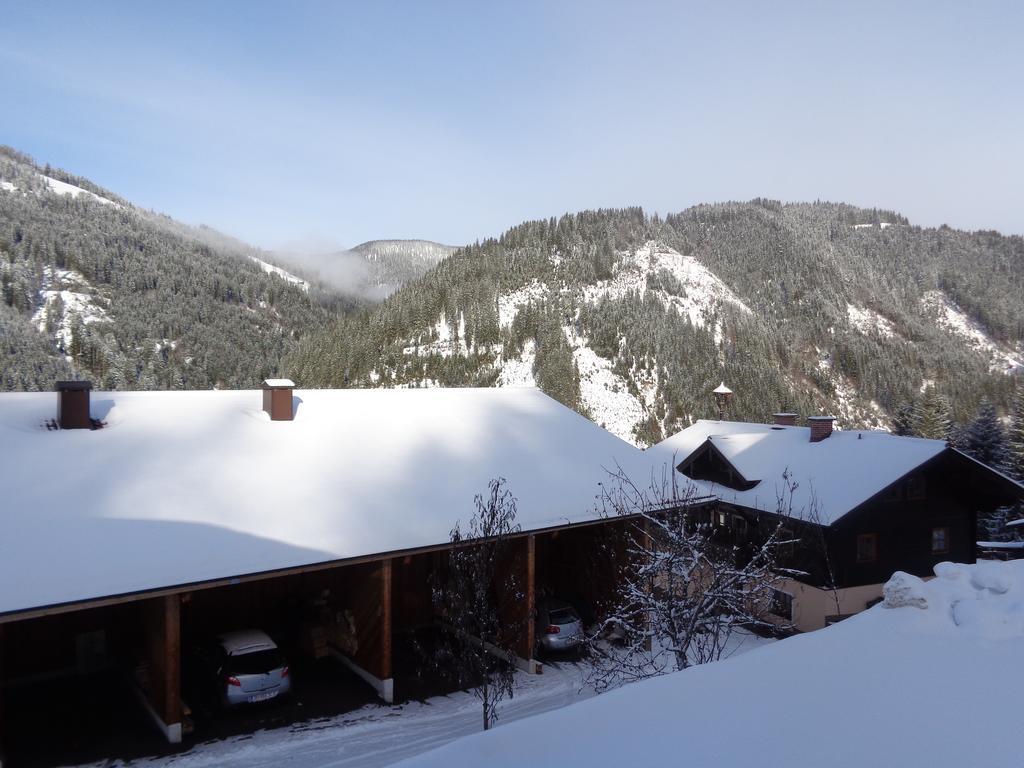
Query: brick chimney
[(277, 399), (73, 404), (784, 419), (821, 427)]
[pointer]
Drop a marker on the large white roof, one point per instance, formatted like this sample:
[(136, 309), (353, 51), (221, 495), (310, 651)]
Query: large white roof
[(182, 487), (839, 472)]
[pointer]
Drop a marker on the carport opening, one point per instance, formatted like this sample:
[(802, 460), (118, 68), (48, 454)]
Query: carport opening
[(312, 617), (69, 688)]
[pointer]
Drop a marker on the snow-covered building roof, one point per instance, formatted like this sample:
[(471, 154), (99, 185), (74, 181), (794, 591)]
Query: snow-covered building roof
[(183, 487), (838, 473)]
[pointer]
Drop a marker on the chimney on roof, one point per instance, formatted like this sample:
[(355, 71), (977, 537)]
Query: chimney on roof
[(784, 419), (821, 427), (277, 399), (73, 404)]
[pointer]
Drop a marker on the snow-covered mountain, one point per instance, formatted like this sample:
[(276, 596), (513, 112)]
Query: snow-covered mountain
[(93, 286), (633, 320)]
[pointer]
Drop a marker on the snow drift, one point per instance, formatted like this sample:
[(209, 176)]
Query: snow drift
[(928, 678)]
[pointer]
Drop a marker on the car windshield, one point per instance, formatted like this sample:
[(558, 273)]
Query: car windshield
[(563, 616), (255, 663)]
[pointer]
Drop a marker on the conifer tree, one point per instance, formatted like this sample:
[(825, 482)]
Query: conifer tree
[(1015, 436), (984, 439), (933, 416)]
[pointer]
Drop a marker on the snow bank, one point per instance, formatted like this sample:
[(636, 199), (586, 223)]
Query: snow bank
[(932, 686)]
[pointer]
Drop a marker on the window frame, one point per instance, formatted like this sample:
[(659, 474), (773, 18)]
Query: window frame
[(865, 537), (790, 599), (945, 538)]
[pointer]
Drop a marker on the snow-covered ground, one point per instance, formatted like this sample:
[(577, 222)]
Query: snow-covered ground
[(929, 678), (956, 322), (379, 735), (270, 269)]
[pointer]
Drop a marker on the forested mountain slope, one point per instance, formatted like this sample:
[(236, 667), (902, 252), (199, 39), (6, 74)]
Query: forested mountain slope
[(93, 286), (634, 319)]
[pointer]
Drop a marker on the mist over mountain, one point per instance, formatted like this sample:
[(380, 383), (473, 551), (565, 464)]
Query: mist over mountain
[(370, 271)]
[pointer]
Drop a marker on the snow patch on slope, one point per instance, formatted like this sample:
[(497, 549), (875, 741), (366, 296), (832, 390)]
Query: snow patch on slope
[(956, 322), (703, 294), (7, 186), (849, 408), (446, 341), (868, 321), (271, 269), (519, 372), (61, 301), (604, 393), (509, 303), (63, 188)]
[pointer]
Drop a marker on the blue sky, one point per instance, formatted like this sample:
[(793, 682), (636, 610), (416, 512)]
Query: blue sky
[(333, 123)]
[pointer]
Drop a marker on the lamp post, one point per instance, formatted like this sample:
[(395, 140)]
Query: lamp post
[(723, 396)]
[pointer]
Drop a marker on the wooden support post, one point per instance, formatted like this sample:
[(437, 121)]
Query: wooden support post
[(530, 594), (523, 560), (372, 607), (161, 695)]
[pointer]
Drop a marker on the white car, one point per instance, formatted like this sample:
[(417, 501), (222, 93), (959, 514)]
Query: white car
[(559, 627), (249, 668)]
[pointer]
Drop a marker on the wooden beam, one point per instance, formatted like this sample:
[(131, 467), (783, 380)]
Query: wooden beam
[(386, 666), (196, 586)]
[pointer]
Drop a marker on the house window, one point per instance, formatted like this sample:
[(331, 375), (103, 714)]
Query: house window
[(867, 548), (782, 604), (940, 540), (723, 520), (917, 488), (739, 524)]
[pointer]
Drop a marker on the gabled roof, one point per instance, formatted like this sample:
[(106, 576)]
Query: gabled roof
[(839, 473), (182, 487)]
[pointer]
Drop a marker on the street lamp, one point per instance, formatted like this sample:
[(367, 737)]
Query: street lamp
[(723, 396)]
